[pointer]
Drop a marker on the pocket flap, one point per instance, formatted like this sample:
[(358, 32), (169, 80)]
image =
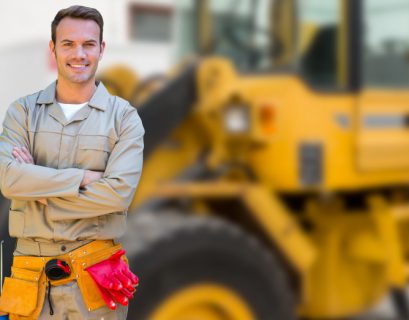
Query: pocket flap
[(100, 143), (24, 274)]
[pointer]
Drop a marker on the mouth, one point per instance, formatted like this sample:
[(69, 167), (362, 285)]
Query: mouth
[(78, 66)]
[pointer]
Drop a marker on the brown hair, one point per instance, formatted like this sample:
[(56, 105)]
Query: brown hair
[(78, 12)]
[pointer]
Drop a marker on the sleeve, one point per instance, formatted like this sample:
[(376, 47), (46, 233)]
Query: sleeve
[(114, 192), (21, 181)]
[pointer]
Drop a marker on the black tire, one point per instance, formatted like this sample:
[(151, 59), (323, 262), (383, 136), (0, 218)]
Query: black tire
[(171, 251)]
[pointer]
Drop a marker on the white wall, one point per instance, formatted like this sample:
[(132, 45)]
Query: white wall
[(28, 20)]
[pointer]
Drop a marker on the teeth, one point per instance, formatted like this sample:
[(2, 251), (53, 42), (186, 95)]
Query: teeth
[(78, 65)]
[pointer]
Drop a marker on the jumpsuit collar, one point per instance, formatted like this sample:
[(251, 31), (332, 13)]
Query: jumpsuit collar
[(99, 100)]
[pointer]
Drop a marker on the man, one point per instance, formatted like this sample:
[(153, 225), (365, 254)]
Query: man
[(70, 161)]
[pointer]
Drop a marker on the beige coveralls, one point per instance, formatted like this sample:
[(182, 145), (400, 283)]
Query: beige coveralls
[(105, 135)]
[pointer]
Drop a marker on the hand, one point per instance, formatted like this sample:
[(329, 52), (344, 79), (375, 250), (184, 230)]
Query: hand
[(22, 155), (114, 279), (90, 176)]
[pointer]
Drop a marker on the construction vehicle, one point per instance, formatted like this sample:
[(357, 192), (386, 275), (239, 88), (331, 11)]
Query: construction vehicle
[(275, 182)]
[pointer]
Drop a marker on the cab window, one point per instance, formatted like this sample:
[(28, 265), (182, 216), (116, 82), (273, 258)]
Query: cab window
[(385, 58)]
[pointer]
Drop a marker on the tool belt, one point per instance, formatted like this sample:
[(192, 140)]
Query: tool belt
[(24, 292)]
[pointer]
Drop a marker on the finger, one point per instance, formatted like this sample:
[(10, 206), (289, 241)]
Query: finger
[(126, 282), (28, 154), (17, 156), (131, 289), (134, 278), (127, 293), (109, 282), (120, 297), (107, 297), (124, 268), (117, 285), (22, 155)]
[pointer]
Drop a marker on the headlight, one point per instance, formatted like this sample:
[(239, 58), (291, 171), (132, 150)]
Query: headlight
[(236, 119)]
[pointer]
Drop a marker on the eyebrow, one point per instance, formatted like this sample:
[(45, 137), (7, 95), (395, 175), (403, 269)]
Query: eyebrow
[(86, 41)]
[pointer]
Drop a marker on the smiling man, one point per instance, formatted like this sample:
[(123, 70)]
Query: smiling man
[(70, 161)]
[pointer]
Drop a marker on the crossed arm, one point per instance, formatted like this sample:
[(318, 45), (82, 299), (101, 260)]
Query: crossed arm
[(22, 155), (71, 193)]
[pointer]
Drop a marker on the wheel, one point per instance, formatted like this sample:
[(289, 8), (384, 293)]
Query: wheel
[(202, 268)]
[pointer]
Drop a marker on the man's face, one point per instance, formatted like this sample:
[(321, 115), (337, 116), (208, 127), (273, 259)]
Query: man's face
[(77, 50)]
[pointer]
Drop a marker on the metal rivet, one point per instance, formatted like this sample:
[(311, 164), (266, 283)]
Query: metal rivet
[(84, 264), (63, 248), (84, 252), (77, 276), (72, 260)]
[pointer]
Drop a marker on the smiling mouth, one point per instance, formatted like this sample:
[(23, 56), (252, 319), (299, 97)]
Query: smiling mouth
[(76, 66)]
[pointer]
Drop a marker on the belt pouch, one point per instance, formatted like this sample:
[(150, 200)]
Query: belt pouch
[(89, 290), (23, 293)]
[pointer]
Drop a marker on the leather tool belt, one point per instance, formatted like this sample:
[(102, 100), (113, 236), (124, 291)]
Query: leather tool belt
[(24, 292)]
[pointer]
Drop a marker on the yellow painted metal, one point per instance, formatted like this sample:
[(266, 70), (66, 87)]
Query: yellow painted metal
[(389, 235), (382, 148), (169, 160), (120, 80), (281, 227), (204, 301), (355, 157), (350, 272), (216, 189)]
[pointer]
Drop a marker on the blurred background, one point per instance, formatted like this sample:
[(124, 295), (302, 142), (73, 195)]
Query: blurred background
[(276, 171)]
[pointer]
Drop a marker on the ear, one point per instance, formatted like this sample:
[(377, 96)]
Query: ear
[(102, 50), (52, 46)]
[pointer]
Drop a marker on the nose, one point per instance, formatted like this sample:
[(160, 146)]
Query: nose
[(80, 52)]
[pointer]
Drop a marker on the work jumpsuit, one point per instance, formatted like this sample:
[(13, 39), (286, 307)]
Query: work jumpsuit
[(105, 135)]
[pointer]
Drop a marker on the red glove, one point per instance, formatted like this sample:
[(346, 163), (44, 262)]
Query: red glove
[(114, 280)]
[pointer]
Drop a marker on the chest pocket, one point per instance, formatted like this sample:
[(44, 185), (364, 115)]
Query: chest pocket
[(93, 152)]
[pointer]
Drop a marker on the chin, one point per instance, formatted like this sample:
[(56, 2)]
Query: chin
[(83, 79)]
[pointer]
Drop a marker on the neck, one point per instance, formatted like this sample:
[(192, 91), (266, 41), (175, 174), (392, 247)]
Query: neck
[(74, 93)]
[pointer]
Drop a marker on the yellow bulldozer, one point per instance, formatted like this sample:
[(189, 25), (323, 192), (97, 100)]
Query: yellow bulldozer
[(276, 174), (276, 179)]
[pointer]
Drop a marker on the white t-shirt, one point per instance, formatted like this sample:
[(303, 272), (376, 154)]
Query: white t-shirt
[(70, 109)]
